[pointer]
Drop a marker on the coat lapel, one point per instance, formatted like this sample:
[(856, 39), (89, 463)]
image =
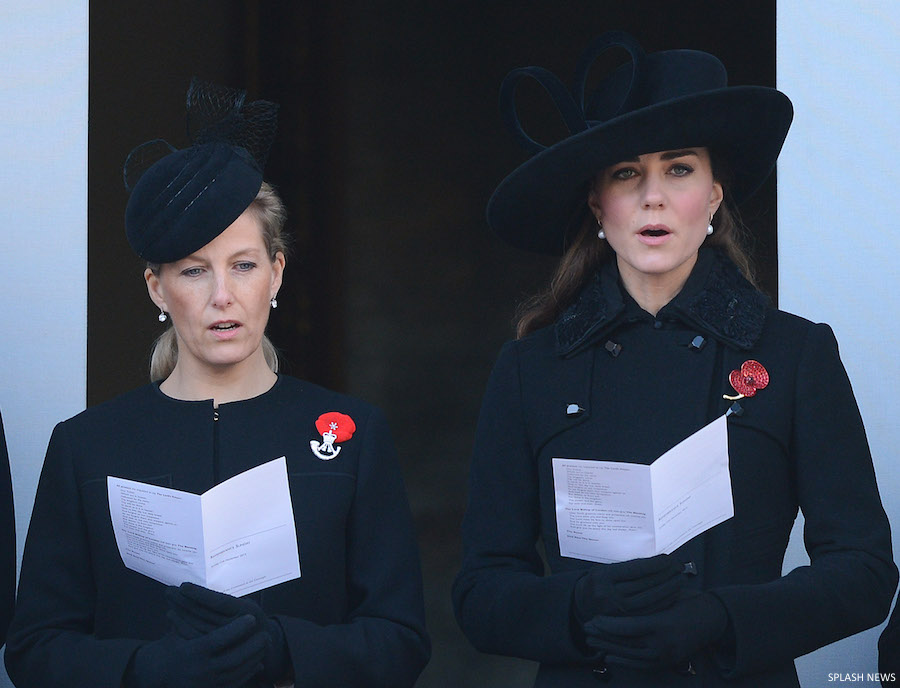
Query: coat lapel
[(566, 401)]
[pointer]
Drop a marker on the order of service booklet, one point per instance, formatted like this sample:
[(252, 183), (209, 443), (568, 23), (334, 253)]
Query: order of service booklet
[(611, 511), (237, 537)]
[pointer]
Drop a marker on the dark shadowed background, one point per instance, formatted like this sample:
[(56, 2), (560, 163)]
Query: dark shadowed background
[(389, 147)]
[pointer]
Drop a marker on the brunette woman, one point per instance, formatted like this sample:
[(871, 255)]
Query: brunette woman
[(651, 329)]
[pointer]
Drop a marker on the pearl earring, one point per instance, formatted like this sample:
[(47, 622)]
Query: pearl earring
[(273, 303), (163, 316), (709, 227), (601, 234)]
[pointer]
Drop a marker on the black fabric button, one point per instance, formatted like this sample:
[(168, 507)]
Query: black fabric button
[(657, 324), (689, 568), (613, 348), (735, 409)]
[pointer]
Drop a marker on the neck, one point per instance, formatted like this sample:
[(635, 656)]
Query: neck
[(190, 381), (653, 291)]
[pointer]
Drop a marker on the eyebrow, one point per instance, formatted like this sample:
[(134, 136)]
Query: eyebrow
[(671, 155), (250, 252), (668, 155)]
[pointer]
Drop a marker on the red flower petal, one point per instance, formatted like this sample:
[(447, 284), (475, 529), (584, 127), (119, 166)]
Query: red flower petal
[(751, 377), (737, 381), (755, 374), (340, 424)]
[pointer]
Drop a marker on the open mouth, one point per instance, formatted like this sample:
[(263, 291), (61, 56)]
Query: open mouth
[(224, 327), (654, 232)]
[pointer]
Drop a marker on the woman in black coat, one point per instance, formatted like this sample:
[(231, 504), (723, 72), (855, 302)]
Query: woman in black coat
[(652, 329), (211, 231)]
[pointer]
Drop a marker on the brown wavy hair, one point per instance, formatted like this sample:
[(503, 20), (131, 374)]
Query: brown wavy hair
[(586, 253)]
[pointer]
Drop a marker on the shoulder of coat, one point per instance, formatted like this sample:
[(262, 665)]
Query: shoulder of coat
[(786, 326), (319, 399)]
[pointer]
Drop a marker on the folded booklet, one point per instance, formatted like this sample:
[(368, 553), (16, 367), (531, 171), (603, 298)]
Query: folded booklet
[(236, 538), (610, 511)]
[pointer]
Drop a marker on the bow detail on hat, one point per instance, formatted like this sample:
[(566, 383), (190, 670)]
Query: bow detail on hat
[(218, 113), (571, 106), (215, 114)]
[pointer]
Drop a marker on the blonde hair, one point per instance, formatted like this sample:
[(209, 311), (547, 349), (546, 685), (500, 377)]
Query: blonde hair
[(268, 209)]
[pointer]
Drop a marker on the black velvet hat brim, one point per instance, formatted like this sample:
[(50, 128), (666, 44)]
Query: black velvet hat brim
[(538, 204)]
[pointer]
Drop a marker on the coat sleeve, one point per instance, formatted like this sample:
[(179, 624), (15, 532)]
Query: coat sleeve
[(50, 642), (503, 601), (383, 642), (849, 583)]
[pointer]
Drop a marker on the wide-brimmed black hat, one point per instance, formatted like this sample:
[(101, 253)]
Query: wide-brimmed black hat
[(183, 199), (661, 101)]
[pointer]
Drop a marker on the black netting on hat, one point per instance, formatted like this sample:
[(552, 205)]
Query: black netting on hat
[(215, 114), (218, 113)]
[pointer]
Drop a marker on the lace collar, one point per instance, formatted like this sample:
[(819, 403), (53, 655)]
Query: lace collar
[(716, 299)]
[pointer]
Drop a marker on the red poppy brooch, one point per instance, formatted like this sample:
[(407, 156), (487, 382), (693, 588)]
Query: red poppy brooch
[(747, 381), (335, 428)]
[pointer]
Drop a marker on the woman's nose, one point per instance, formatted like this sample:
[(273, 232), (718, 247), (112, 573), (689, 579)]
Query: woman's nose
[(652, 195), (223, 293)]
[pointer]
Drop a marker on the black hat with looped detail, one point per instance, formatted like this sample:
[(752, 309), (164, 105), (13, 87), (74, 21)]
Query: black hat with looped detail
[(662, 101), (183, 199)]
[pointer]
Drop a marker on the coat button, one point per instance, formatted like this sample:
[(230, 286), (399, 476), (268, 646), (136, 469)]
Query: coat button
[(735, 409), (657, 324), (613, 348), (574, 410), (697, 343)]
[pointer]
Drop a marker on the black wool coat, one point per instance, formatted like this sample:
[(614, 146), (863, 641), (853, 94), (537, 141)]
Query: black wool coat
[(645, 383), (355, 617)]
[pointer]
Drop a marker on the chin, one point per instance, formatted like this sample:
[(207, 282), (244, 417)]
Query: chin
[(655, 267), (223, 359), (660, 264)]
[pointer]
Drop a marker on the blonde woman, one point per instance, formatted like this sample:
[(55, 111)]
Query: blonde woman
[(211, 233)]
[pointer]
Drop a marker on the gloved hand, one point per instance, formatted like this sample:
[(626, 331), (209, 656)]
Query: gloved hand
[(639, 586), (662, 639), (228, 657), (196, 610)]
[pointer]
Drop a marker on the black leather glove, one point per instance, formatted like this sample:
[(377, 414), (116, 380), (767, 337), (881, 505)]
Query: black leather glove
[(663, 639), (196, 610), (639, 586), (228, 657)]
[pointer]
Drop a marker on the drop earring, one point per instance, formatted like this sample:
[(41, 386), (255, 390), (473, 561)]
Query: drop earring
[(601, 234), (163, 316), (273, 303), (709, 227)]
